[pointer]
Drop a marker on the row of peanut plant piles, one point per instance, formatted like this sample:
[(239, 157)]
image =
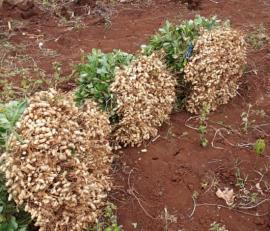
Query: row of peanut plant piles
[(57, 147)]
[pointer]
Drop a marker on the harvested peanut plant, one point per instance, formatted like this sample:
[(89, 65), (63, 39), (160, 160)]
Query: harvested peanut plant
[(61, 163)]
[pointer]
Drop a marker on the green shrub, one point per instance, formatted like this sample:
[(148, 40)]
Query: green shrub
[(96, 76)]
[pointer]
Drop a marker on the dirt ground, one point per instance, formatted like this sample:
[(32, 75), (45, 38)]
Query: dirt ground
[(171, 182)]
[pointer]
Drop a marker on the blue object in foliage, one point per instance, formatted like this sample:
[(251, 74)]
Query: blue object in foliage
[(189, 51)]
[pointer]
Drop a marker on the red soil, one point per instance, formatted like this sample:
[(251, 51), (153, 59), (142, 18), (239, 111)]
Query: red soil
[(175, 165)]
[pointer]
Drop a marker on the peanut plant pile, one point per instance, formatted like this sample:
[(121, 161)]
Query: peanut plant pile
[(60, 163), (178, 41), (215, 69), (145, 94), (56, 157)]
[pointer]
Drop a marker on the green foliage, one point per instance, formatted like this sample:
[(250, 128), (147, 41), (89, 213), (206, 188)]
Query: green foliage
[(246, 121), (258, 38), (217, 227), (11, 217), (259, 146), (9, 115), (178, 40), (97, 75), (240, 181), (202, 129), (108, 221)]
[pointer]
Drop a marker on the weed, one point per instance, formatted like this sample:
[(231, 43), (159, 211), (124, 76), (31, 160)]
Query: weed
[(251, 198), (204, 184), (240, 182), (210, 182), (57, 71), (258, 38), (260, 112), (259, 146), (108, 22), (170, 133), (7, 92), (169, 218), (15, 73), (105, 11), (58, 80), (108, 221), (203, 126), (192, 4), (28, 86), (246, 122), (75, 23), (217, 227), (22, 88), (195, 195)]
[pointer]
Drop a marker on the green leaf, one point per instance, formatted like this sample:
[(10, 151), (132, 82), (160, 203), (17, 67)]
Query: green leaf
[(13, 223)]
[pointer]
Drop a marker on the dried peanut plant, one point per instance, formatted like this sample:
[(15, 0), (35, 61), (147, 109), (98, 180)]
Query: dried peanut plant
[(215, 68), (145, 93), (58, 168)]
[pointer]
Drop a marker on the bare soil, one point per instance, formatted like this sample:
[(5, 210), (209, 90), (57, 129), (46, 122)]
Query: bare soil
[(170, 183)]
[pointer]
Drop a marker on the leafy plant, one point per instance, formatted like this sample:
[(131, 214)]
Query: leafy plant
[(203, 126), (96, 76), (258, 38), (195, 195), (217, 227), (108, 221), (246, 122), (259, 146), (240, 181)]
